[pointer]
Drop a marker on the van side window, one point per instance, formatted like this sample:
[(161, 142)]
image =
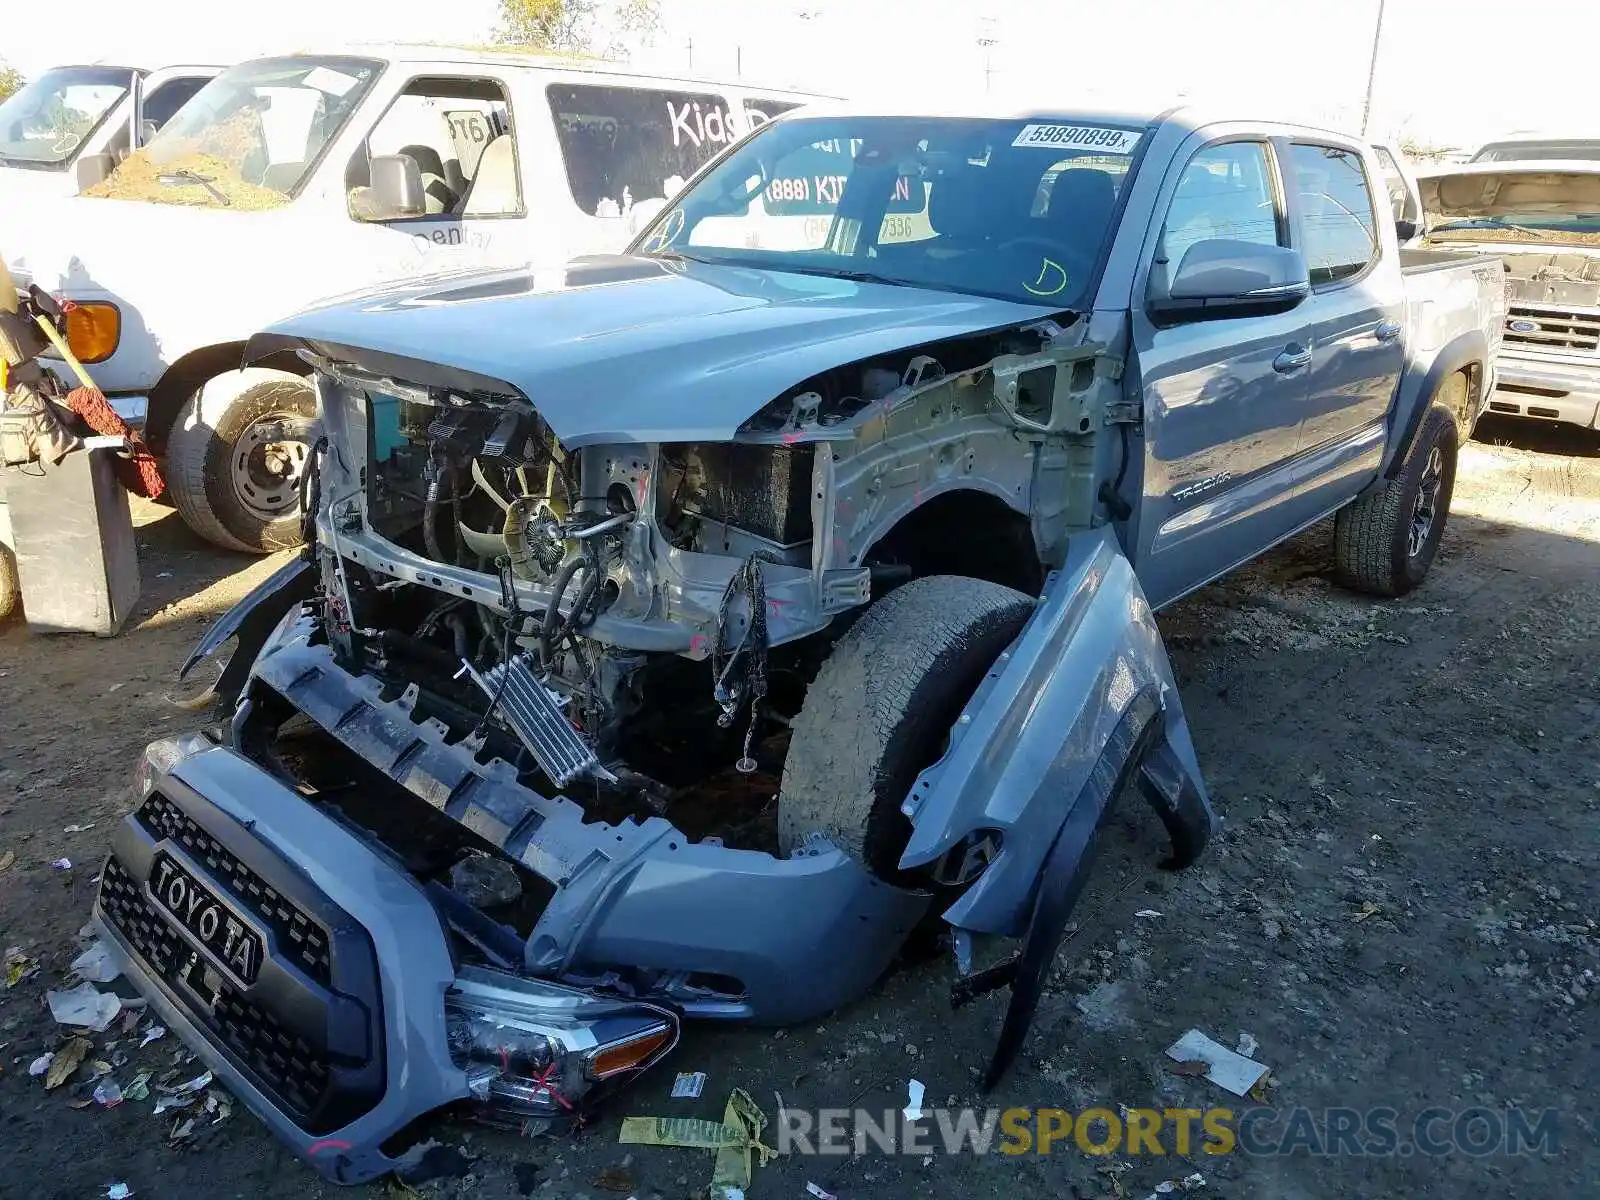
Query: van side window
[(1336, 209), (458, 132), (1225, 192), (627, 146)]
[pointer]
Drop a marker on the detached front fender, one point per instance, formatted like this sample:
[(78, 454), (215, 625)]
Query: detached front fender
[(252, 620), (1051, 735)]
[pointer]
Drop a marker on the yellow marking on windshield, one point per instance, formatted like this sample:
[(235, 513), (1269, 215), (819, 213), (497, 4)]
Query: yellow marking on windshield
[(1051, 270)]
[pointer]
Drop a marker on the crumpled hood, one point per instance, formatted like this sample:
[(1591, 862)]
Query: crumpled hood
[(1492, 189), (617, 348)]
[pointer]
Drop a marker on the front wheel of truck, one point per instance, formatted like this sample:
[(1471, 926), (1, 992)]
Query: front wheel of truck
[(1384, 542), (236, 455), (880, 711)]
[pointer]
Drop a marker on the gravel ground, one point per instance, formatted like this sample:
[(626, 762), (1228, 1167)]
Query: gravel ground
[(1400, 910)]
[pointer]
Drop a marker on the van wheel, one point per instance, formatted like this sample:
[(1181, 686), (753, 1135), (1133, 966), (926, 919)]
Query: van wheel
[(880, 711), (1384, 542), (236, 455)]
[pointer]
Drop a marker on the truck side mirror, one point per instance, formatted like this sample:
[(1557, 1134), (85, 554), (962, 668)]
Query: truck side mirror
[(1405, 229), (396, 190), (93, 169), (1225, 278)]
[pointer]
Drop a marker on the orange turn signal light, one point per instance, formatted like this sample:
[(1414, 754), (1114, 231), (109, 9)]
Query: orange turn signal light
[(93, 330), (631, 1054)]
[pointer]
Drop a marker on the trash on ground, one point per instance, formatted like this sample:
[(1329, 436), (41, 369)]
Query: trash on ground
[(62, 864), (734, 1140), (616, 1179), (1246, 1045), (6, 859), (190, 1087), (154, 1034), (1368, 909), (219, 1106), (167, 1103), (182, 1130), (84, 1005), (130, 1020), (139, 1089), (66, 1062), (1147, 913), (41, 1064), (96, 964), (688, 1085), (1189, 1183), (119, 1191), (18, 966), (79, 828), (1232, 1072), (915, 1091), (820, 1193), (107, 1094)]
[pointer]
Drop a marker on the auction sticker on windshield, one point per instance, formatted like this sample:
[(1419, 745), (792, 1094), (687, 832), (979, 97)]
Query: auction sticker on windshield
[(1079, 137)]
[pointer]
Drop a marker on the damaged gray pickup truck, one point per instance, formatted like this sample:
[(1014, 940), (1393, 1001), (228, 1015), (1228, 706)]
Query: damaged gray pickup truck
[(679, 633)]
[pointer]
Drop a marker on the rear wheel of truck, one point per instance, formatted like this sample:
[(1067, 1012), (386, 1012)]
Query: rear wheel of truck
[(10, 585), (1384, 542), (236, 455), (880, 711)]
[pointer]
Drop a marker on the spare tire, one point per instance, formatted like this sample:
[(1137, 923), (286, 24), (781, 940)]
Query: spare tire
[(235, 457), (880, 711)]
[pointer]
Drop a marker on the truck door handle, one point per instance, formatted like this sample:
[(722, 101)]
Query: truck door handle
[(1291, 360), (1387, 331)]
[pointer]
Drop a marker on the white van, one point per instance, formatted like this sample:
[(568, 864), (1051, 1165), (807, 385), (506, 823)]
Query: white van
[(292, 179), (90, 115)]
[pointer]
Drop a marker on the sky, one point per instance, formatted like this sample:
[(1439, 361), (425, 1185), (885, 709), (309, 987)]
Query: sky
[(1449, 73)]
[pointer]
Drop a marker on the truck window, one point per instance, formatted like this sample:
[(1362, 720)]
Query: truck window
[(163, 102), (1399, 199), (458, 132), (1226, 192), (1336, 211), (624, 146)]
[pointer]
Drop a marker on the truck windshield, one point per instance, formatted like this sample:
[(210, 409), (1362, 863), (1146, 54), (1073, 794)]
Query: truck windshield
[(249, 138), (47, 121), (1018, 210), (1523, 151)]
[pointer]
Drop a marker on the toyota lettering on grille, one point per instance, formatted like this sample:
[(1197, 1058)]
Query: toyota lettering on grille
[(220, 932)]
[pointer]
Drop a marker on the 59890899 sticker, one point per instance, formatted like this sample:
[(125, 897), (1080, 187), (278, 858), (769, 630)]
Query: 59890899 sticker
[(1078, 137)]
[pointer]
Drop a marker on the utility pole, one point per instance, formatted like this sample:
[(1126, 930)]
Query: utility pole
[(1372, 70), (986, 39), (691, 54)]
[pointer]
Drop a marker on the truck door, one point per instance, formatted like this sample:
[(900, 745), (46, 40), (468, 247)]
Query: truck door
[(1224, 397), (458, 131), (1356, 311)]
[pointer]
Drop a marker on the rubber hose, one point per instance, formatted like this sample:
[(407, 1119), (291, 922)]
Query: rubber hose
[(552, 612), (430, 512), (458, 630)]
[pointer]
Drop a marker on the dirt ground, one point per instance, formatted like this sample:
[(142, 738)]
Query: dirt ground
[(1400, 909)]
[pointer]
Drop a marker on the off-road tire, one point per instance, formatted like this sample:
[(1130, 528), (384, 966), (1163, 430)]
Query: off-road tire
[(1372, 543), (880, 711), (199, 450), (10, 585)]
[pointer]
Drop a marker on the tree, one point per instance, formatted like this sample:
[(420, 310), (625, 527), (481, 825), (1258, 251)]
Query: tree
[(577, 26), (11, 80)]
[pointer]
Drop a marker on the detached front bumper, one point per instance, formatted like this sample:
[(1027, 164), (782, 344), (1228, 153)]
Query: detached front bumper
[(333, 1048)]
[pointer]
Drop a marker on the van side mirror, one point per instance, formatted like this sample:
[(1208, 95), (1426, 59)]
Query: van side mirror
[(1224, 278), (396, 190), (93, 169)]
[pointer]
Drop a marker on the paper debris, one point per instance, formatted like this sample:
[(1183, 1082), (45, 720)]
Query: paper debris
[(1147, 913), (79, 828), (18, 966), (96, 965), (62, 864), (167, 1103), (1232, 1072), (735, 1140), (41, 1064), (915, 1091), (65, 1062), (84, 1005), (821, 1194), (1368, 909), (688, 1085), (1246, 1045), (154, 1034), (119, 1191), (1189, 1183), (219, 1106), (139, 1089), (191, 1087), (6, 859), (107, 1094)]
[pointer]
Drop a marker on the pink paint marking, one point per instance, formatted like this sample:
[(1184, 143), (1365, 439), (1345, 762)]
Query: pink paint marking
[(790, 439), (327, 1144)]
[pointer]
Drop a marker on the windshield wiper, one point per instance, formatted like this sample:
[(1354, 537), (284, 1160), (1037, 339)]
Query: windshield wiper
[(194, 178)]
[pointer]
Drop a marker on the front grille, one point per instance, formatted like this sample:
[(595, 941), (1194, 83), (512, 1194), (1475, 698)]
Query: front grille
[(294, 1073), (1556, 329), (303, 940)]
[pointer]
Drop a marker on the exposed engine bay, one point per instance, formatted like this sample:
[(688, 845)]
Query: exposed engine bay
[(642, 618)]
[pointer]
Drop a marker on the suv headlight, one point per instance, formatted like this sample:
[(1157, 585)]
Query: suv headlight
[(159, 757)]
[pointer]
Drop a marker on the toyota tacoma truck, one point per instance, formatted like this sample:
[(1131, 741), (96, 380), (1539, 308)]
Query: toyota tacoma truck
[(1542, 219), (682, 633)]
